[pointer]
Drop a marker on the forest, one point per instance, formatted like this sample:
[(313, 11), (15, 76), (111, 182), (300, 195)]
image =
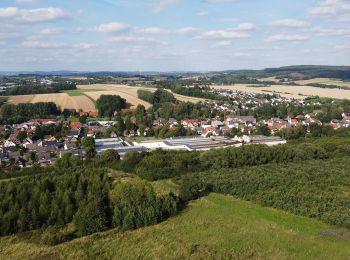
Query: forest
[(81, 193), (10, 113)]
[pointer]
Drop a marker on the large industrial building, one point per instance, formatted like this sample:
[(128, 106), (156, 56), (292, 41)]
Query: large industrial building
[(117, 144), (183, 143), (189, 143)]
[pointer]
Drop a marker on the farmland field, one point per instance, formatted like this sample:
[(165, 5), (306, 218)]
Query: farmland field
[(126, 92), (85, 95), (80, 91), (61, 99), (214, 227), (289, 91), (129, 93), (274, 79), (326, 81)]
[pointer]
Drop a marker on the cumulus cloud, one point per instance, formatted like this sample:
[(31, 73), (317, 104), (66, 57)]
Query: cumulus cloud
[(290, 23), (319, 31), (243, 30), (84, 46), (32, 15), (186, 30), (339, 9), (152, 30), (246, 26), (111, 27), (222, 44), (135, 39), (39, 44), (51, 31), (286, 37)]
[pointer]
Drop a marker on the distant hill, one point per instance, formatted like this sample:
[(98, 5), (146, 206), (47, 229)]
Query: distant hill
[(296, 72), (310, 71)]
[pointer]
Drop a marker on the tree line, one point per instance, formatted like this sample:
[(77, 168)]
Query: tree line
[(313, 188), (162, 164), (27, 88), (82, 193), (10, 113)]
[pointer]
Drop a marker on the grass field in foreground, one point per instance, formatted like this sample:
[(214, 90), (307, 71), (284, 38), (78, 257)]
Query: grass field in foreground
[(214, 227), (80, 91)]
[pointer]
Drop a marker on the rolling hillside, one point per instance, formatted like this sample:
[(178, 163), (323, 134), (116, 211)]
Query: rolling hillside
[(214, 227)]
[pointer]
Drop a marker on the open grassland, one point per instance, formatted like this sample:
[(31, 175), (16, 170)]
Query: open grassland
[(80, 91), (129, 93), (61, 99), (214, 227), (289, 91)]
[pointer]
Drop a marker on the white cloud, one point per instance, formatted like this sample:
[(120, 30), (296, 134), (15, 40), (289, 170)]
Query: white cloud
[(223, 43), (246, 26), (84, 46), (186, 30), (342, 47), (163, 4), (32, 15), (51, 31), (318, 31), (286, 37), (242, 31), (339, 9), (135, 39), (111, 27), (39, 44), (202, 13), (290, 23), (223, 34), (152, 30)]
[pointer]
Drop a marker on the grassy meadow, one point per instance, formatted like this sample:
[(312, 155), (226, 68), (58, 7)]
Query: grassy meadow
[(80, 91), (214, 227)]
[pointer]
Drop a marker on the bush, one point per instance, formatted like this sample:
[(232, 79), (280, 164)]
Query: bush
[(52, 236), (136, 205), (91, 218)]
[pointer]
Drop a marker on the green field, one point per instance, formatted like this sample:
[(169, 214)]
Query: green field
[(80, 91), (340, 83), (214, 227)]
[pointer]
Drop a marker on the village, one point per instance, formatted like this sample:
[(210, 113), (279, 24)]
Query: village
[(28, 144)]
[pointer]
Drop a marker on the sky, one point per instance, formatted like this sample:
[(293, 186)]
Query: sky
[(172, 35)]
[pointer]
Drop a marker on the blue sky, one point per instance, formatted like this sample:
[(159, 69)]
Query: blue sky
[(168, 35)]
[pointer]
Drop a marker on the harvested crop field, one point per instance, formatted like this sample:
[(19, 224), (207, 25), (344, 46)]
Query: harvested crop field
[(325, 81), (61, 99), (126, 92), (290, 91), (85, 96), (274, 79), (129, 93)]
